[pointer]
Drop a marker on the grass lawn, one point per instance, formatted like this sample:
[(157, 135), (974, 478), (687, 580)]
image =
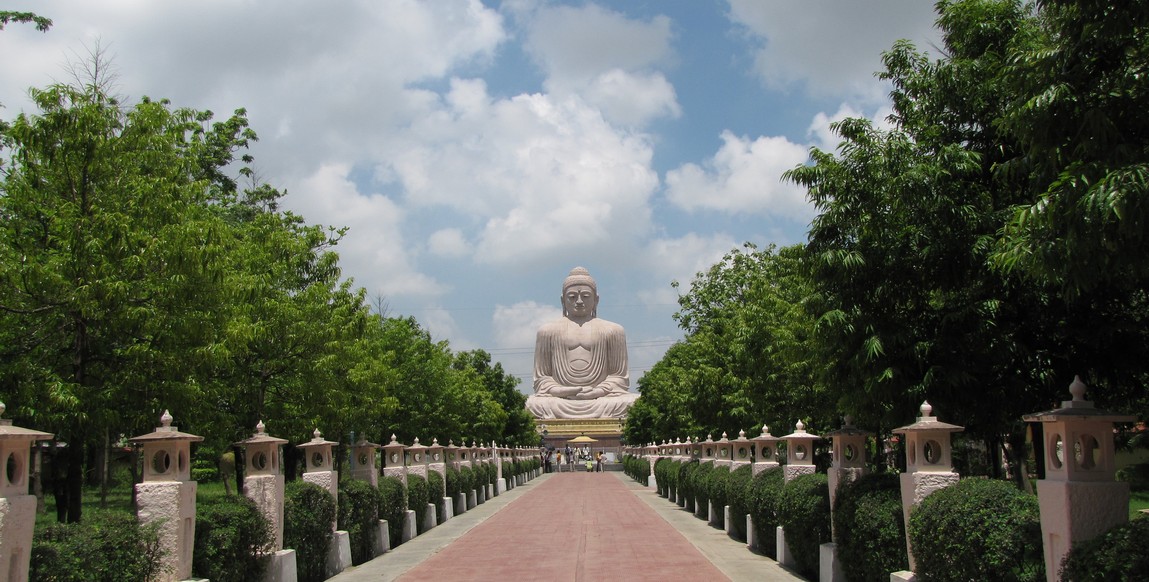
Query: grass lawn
[(1138, 500), (120, 499)]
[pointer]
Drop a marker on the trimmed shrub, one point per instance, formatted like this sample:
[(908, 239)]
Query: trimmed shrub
[(763, 508), (453, 482), (359, 517), (436, 488), (715, 485), (803, 509), (1122, 553), (466, 479), (666, 476), (106, 546), (308, 511), (686, 490), (418, 496), (978, 529), (738, 496), (698, 479), (232, 540), (869, 529), (393, 507)]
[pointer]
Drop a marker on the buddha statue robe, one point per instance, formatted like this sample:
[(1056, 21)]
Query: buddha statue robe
[(581, 371)]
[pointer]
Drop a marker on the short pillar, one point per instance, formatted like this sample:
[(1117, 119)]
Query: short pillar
[(167, 494), (17, 507), (262, 481), (765, 451), (929, 463), (1078, 497)]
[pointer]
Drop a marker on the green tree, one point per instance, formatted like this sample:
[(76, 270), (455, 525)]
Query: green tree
[(502, 389)]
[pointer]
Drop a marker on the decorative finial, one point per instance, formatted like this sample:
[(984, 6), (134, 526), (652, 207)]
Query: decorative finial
[(393, 439), (799, 426), (723, 435), (1077, 389), (765, 430), (849, 420), (166, 419), (435, 441), (317, 435), (416, 442), (2, 408), (926, 409), (741, 434)]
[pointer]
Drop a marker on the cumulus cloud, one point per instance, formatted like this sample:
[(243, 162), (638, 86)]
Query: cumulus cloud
[(679, 259), (515, 326), (744, 175), (606, 58), (830, 47), (825, 139), (449, 243), (374, 248), (535, 175)]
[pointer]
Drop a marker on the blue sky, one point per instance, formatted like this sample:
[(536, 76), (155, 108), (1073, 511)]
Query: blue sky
[(480, 150)]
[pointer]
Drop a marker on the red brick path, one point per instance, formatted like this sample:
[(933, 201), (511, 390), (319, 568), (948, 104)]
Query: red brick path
[(573, 526)]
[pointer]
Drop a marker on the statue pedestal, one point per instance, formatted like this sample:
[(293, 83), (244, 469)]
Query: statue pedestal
[(606, 431)]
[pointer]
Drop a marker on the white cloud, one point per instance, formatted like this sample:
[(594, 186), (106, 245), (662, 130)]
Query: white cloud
[(534, 175), (743, 176), (679, 259), (830, 47), (373, 248), (607, 59), (515, 326), (826, 140), (449, 243)]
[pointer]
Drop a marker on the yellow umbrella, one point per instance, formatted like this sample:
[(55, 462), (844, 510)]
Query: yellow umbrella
[(582, 439)]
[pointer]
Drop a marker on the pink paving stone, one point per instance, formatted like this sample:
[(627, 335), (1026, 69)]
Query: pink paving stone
[(573, 526)]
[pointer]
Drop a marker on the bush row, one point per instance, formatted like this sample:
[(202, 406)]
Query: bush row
[(977, 529)]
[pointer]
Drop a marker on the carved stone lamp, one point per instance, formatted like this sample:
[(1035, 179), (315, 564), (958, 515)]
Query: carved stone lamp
[(1079, 498), (742, 450), (167, 494), (848, 456), (765, 450), (363, 455), (262, 481), (929, 462), (723, 452), (17, 508), (394, 454), (417, 459), (437, 463), (799, 452), (319, 467)]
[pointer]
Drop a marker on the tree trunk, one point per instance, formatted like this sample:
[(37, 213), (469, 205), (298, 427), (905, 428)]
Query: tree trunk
[(74, 483)]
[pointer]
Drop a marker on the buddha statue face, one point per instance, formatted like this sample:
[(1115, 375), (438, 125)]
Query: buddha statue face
[(580, 301)]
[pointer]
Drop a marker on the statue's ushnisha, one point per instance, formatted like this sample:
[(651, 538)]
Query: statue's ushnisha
[(580, 360)]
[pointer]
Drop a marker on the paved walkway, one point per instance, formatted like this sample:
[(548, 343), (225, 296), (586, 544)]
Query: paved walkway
[(577, 527)]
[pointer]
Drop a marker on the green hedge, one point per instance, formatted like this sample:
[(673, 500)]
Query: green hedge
[(803, 509), (359, 517), (107, 545), (1122, 553), (308, 512), (393, 507), (686, 492), (698, 479), (637, 468), (869, 529), (436, 489), (466, 480), (232, 540), (738, 497), (453, 482), (978, 529), (666, 476), (418, 496), (763, 508), (715, 485)]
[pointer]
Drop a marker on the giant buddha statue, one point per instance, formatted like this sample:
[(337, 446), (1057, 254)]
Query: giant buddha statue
[(580, 360)]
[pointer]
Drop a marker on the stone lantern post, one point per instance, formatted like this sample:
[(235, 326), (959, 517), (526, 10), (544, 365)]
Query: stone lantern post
[(929, 463), (17, 508), (848, 456), (799, 461), (799, 452), (438, 463), (765, 451), (167, 493), (262, 481), (319, 469), (695, 448), (363, 462), (723, 452), (1078, 497), (394, 457), (742, 451)]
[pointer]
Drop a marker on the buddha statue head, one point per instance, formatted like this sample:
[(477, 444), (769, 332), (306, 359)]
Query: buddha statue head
[(580, 295)]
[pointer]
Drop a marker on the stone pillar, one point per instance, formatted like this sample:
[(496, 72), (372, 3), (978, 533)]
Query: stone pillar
[(363, 462), (17, 507), (437, 463), (320, 469), (765, 449), (929, 464), (799, 461), (650, 452), (848, 463), (167, 494), (394, 457), (723, 452), (500, 479), (262, 481), (1078, 497)]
